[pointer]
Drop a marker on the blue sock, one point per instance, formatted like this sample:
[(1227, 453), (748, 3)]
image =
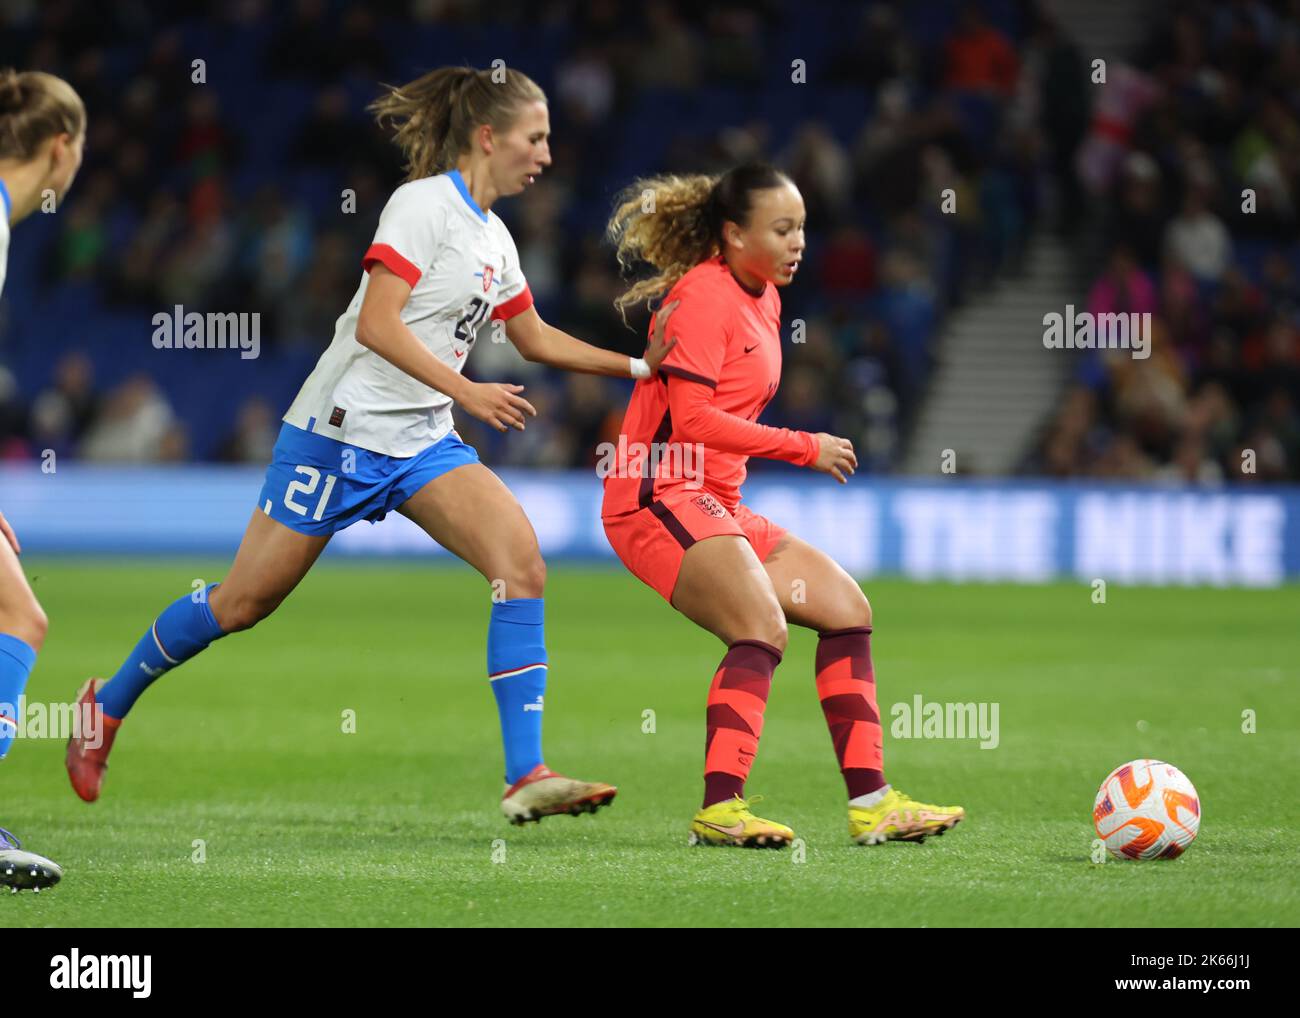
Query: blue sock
[(16, 661), (516, 650), (181, 631)]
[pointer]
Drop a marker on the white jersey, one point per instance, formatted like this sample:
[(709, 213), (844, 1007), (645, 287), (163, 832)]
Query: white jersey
[(463, 268)]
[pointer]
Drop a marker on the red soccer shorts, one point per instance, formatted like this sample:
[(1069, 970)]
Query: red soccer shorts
[(651, 542)]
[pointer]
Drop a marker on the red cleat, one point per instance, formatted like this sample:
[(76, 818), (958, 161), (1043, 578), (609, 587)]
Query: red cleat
[(92, 737)]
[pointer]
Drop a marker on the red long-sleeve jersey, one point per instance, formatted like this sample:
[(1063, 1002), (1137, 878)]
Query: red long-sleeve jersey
[(707, 395)]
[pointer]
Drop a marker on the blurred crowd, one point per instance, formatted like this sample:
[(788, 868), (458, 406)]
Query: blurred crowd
[(258, 188), (1193, 164), (225, 195)]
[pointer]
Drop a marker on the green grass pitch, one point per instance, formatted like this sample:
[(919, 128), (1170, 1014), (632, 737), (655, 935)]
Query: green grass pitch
[(397, 824)]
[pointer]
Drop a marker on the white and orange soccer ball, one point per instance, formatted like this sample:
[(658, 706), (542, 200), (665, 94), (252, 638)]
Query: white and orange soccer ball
[(1147, 809)]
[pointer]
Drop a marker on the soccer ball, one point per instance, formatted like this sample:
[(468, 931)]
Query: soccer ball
[(1146, 809)]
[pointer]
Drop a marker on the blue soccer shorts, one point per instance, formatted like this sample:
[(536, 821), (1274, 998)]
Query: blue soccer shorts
[(318, 485)]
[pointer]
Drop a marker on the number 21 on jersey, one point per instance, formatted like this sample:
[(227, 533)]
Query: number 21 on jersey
[(309, 487)]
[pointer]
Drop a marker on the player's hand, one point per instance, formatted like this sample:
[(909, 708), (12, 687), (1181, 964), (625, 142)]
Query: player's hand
[(498, 404), (836, 457), (9, 535), (656, 350)]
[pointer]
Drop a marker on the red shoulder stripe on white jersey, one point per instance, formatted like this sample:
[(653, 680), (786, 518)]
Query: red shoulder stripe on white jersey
[(393, 262), (517, 304)]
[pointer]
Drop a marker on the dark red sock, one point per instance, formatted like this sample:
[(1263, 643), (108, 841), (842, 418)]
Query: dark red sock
[(737, 699), (846, 685)]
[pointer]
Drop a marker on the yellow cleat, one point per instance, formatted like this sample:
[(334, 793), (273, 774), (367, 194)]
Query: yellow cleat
[(730, 822), (897, 817)]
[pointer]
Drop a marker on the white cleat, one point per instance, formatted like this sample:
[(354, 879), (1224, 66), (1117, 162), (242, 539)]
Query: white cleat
[(21, 871), (543, 793)]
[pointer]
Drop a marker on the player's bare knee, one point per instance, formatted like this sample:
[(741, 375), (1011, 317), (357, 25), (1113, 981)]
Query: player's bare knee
[(29, 624), (780, 634), (241, 613), (861, 610), (851, 610), (527, 578), (40, 626), (770, 627)]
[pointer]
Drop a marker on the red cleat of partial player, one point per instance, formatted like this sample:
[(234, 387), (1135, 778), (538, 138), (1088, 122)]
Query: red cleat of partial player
[(88, 746)]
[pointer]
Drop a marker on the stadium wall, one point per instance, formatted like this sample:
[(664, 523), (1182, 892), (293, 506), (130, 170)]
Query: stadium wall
[(938, 529)]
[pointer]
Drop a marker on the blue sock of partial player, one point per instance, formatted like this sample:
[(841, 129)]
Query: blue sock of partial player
[(16, 660), (183, 629), (516, 650)]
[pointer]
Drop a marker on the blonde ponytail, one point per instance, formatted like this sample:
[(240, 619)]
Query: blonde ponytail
[(34, 107), (433, 117)]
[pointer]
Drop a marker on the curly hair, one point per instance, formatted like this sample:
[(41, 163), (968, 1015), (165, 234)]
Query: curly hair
[(673, 222)]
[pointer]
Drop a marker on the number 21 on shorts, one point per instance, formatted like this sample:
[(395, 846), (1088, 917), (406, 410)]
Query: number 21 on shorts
[(309, 487)]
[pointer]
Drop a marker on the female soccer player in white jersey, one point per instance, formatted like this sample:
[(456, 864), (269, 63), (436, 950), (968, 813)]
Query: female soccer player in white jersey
[(42, 132), (371, 429)]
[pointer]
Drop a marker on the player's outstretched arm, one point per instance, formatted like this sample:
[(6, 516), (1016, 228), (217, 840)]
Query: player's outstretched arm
[(697, 419), (545, 344), (380, 328)]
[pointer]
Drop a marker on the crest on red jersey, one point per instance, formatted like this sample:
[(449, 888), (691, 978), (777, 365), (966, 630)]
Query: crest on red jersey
[(487, 277), (709, 504)]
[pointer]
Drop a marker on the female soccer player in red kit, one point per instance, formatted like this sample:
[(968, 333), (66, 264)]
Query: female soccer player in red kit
[(721, 246)]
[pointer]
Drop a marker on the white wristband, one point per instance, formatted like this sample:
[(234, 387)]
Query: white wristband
[(639, 368)]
